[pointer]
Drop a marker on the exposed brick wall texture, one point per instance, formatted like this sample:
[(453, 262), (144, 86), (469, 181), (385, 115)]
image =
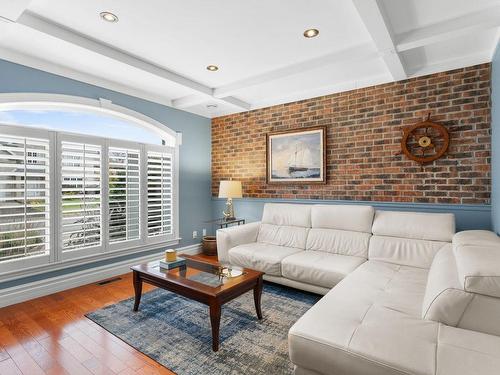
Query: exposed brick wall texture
[(364, 129)]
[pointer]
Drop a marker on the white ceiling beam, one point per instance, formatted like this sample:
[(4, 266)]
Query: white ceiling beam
[(51, 67), (450, 29), (375, 21), (37, 23), (450, 64), (188, 101), (11, 10), (44, 26), (236, 102), (357, 53)]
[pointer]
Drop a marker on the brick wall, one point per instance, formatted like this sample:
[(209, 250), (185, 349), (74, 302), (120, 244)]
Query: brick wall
[(364, 129)]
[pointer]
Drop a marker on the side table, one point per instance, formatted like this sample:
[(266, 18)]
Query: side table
[(209, 243)]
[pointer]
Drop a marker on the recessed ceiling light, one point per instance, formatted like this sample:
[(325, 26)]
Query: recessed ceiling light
[(109, 17), (311, 33), (212, 68)]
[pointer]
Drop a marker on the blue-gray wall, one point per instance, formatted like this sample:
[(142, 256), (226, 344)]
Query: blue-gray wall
[(467, 216), (495, 140), (195, 173)]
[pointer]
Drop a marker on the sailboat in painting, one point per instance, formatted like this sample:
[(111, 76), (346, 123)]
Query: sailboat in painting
[(301, 160)]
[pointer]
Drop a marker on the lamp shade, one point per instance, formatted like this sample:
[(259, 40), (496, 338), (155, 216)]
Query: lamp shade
[(230, 189)]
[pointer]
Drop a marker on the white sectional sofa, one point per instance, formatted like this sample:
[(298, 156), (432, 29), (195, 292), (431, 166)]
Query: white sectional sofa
[(404, 294)]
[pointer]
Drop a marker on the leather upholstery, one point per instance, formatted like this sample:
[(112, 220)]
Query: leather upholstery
[(379, 331), (343, 217), (415, 225), (261, 257), (282, 235), (369, 323), (479, 268), (404, 251), (228, 238), (419, 305), (445, 300), (319, 267), (296, 215), (338, 242)]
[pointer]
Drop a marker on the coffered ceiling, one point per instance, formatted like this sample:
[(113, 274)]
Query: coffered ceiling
[(159, 49)]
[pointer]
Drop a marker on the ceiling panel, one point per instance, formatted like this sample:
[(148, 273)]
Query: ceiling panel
[(419, 60), (243, 38), (159, 50), (408, 15)]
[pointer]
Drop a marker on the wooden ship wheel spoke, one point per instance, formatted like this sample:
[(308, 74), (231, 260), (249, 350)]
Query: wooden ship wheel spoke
[(425, 142)]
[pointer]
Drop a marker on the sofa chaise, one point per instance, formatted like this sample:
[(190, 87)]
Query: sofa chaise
[(404, 294)]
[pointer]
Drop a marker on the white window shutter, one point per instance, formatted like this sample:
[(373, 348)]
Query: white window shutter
[(124, 194), (24, 197), (81, 201), (160, 189)]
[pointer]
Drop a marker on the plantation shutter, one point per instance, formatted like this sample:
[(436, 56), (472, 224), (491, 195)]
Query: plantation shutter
[(24, 197), (80, 195), (159, 193), (124, 195)]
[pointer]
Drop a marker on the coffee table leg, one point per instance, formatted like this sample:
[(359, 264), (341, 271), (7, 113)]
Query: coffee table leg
[(215, 313), (138, 290), (257, 293)]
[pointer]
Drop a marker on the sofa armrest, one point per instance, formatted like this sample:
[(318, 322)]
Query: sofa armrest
[(228, 238)]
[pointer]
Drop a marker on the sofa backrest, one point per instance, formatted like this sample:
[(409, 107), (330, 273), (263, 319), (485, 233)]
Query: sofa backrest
[(341, 229), (409, 238), (285, 224), (463, 286)]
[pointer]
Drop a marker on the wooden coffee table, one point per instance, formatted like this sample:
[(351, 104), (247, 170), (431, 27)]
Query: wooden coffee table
[(181, 281)]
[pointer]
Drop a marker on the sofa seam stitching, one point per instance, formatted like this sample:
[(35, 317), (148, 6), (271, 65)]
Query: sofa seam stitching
[(352, 354), (436, 350), (436, 297), (466, 307)]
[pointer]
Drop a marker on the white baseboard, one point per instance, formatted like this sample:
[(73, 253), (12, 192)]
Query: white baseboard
[(24, 292)]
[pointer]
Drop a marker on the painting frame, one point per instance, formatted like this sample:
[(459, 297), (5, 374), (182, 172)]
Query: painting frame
[(297, 132)]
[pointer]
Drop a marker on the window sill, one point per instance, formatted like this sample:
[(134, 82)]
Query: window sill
[(17, 274)]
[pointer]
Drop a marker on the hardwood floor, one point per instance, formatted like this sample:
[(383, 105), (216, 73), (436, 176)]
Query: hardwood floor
[(50, 335)]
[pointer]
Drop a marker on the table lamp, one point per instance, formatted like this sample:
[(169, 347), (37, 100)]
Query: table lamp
[(229, 189)]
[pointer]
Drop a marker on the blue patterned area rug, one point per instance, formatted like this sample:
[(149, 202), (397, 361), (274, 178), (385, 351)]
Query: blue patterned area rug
[(175, 331)]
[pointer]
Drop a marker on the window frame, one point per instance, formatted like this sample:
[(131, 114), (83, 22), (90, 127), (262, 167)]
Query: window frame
[(16, 268)]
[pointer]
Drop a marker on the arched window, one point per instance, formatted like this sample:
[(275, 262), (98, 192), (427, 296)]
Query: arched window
[(82, 179)]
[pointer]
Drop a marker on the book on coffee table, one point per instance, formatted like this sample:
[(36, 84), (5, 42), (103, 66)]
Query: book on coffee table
[(179, 262)]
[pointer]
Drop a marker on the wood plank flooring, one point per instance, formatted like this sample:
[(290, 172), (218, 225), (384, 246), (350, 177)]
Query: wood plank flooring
[(51, 336)]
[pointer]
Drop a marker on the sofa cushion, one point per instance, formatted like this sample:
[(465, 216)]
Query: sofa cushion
[(414, 225), (464, 352), (343, 217), (445, 300), (338, 242), (479, 268), (318, 267), (476, 238), (261, 257), (404, 251), (296, 215), (283, 235), (368, 324)]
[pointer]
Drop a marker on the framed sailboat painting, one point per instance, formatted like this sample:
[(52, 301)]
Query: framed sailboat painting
[(296, 156)]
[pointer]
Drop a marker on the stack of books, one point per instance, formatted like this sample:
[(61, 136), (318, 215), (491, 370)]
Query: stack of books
[(179, 262)]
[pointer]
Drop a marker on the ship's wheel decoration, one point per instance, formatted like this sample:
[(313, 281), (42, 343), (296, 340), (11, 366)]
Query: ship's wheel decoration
[(425, 142)]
